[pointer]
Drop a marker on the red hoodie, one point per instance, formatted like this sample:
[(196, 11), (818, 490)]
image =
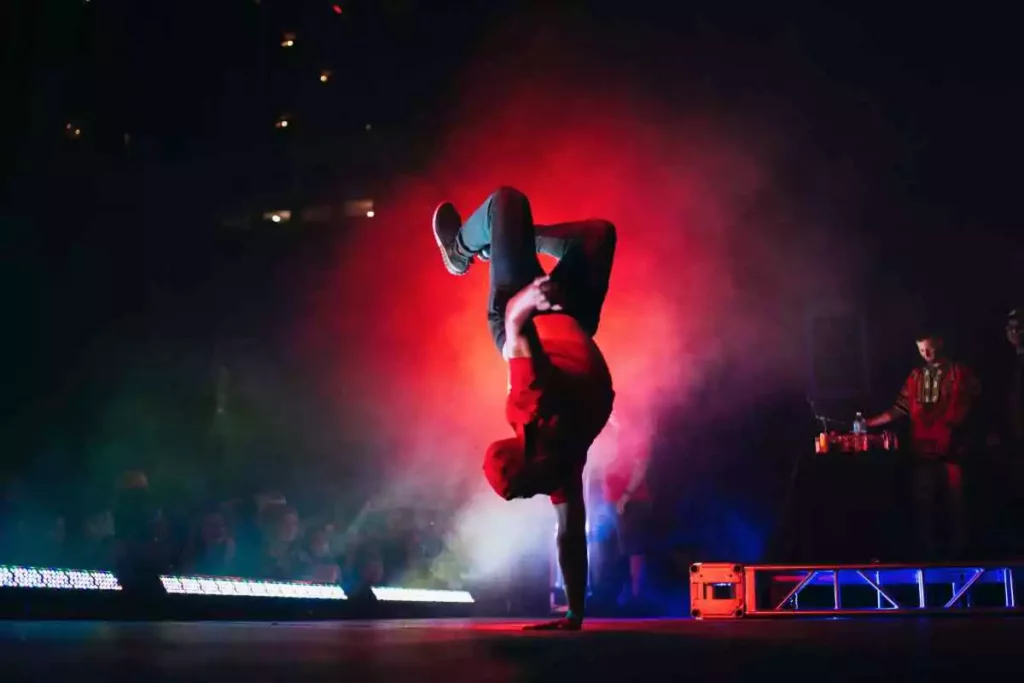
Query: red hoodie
[(558, 403)]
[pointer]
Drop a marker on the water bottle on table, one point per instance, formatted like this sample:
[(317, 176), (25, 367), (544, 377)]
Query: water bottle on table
[(860, 430)]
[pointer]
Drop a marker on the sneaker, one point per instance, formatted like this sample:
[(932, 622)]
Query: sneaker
[(447, 222)]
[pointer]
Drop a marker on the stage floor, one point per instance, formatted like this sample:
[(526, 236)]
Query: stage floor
[(483, 650)]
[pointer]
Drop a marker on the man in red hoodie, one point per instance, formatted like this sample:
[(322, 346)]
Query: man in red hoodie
[(560, 388)]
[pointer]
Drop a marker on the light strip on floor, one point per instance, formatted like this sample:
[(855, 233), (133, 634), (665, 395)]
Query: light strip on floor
[(210, 585), (69, 579), (392, 594)]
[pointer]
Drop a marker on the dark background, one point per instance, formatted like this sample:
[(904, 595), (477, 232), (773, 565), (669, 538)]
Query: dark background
[(111, 244)]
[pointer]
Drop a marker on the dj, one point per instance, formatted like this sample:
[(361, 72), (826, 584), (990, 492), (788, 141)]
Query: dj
[(938, 398)]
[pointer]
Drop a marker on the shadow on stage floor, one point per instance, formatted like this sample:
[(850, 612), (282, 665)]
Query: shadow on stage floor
[(483, 650)]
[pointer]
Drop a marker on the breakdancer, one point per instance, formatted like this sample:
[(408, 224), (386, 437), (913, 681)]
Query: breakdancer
[(560, 388)]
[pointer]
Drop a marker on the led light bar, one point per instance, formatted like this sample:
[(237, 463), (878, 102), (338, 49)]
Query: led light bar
[(391, 594), (210, 585), (68, 579)]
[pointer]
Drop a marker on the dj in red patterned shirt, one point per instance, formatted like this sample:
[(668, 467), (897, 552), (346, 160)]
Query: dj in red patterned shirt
[(938, 398)]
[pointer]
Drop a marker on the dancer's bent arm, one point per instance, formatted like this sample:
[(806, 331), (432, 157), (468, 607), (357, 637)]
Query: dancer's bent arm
[(526, 363)]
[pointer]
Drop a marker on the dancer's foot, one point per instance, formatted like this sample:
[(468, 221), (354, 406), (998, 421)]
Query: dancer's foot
[(563, 624), (447, 222)]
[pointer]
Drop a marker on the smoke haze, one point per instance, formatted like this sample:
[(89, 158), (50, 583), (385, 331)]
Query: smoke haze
[(718, 255)]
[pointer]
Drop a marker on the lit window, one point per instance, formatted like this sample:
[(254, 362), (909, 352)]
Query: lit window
[(288, 40), (282, 216), (281, 122), (359, 208)]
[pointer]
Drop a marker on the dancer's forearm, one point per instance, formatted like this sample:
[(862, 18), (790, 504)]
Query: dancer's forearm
[(525, 380), (516, 343), (520, 337)]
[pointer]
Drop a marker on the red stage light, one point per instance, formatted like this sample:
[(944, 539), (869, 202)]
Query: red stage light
[(336, 8)]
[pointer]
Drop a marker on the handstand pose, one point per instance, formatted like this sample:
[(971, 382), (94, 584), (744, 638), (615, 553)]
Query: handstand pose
[(560, 389)]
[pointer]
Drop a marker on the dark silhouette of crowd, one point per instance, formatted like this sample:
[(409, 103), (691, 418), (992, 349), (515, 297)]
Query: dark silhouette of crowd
[(140, 537)]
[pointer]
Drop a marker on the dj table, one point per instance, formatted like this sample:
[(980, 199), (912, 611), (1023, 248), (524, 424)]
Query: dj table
[(847, 502)]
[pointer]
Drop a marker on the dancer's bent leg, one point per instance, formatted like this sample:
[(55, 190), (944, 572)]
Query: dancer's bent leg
[(504, 224), (585, 251)]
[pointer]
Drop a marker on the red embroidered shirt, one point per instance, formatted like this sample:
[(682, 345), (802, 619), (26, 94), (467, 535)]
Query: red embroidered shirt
[(938, 399)]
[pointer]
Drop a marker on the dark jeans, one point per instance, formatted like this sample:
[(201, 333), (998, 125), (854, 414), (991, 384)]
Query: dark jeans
[(584, 249)]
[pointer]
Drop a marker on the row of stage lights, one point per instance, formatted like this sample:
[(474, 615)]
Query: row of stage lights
[(74, 579), (79, 579)]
